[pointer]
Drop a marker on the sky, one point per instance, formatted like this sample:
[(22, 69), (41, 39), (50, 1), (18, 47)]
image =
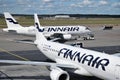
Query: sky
[(60, 6)]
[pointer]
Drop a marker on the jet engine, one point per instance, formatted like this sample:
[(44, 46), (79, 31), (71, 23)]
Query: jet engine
[(62, 36), (66, 36), (59, 74)]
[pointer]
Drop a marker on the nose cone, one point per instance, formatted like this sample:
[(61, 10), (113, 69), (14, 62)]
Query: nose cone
[(88, 30), (89, 33)]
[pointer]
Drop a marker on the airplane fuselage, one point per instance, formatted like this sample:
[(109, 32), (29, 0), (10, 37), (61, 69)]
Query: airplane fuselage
[(61, 32), (51, 30), (106, 66)]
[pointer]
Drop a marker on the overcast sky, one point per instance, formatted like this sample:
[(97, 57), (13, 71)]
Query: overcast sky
[(60, 6)]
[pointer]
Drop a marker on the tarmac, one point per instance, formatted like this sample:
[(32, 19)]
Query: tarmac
[(106, 41)]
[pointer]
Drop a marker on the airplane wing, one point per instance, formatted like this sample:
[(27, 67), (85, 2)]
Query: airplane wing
[(32, 42), (25, 41), (37, 63), (22, 41)]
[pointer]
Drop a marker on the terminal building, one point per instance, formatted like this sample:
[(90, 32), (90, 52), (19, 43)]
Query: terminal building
[(62, 17)]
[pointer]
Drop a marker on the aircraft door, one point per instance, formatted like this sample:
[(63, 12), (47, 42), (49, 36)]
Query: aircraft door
[(117, 72)]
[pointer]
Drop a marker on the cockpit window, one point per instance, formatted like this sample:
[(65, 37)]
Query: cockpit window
[(87, 28)]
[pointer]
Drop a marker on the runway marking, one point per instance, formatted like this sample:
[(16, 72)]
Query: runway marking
[(20, 57)]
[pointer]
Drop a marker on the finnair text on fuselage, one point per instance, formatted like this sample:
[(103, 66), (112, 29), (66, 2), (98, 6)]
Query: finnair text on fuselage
[(90, 60), (60, 29)]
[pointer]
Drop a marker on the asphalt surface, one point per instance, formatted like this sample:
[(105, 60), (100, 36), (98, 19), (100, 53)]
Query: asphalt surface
[(107, 41)]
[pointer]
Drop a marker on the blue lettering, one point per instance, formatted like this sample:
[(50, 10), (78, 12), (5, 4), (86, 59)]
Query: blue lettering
[(67, 28), (92, 61), (103, 63), (77, 56), (48, 30), (76, 29), (53, 29), (95, 61), (88, 59), (59, 29), (71, 29), (63, 51), (70, 54)]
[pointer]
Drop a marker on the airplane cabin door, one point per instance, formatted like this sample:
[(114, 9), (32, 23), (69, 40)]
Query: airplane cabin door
[(117, 72)]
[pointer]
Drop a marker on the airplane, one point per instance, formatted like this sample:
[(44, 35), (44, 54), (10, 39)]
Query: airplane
[(51, 32), (73, 59), (14, 27)]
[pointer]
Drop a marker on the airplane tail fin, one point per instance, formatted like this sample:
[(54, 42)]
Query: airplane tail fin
[(39, 36), (10, 21)]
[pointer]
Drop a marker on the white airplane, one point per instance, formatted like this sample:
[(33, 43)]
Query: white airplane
[(73, 59), (59, 32), (15, 27)]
